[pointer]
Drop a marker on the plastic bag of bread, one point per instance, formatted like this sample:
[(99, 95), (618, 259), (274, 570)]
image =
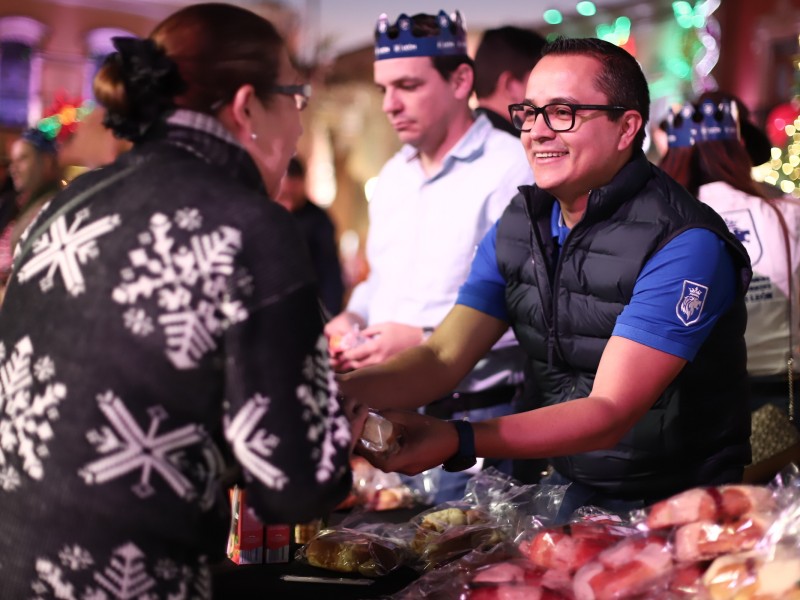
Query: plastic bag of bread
[(723, 504), (754, 576), (709, 522), (453, 579), (569, 547), (510, 580), (448, 531), (353, 551), (635, 567)]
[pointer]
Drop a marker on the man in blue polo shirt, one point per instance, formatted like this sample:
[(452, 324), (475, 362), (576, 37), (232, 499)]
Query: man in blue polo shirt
[(625, 292)]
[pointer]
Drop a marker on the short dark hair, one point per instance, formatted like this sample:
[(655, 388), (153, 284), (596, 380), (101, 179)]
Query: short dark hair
[(505, 49), (621, 78)]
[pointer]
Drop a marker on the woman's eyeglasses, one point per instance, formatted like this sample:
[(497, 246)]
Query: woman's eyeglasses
[(301, 93)]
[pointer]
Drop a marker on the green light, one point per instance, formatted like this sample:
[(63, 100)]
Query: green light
[(604, 31), (587, 9), (682, 8), (623, 24), (685, 21), (50, 126), (551, 37), (679, 67), (552, 17)]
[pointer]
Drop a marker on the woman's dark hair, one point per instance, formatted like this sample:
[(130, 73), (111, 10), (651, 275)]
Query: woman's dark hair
[(707, 162), (197, 58), (621, 78)]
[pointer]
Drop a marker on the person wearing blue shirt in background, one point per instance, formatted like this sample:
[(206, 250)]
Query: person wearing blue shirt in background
[(625, 292)]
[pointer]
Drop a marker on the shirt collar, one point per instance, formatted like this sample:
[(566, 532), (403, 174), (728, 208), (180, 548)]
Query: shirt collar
[(205, 137)]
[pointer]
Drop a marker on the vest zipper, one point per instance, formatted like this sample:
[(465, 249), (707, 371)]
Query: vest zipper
[(551, 340)]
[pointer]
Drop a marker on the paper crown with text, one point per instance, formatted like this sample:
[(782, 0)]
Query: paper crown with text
[(708, 122), (400, 40)]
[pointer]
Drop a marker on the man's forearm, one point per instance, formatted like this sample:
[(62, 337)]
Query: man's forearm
[(411, 379)]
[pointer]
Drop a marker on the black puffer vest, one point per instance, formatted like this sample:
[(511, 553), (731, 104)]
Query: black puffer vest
[(564, 310)]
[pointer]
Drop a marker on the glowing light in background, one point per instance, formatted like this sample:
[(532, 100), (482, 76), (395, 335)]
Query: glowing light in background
[(586, 9), (618, 33), (708, 32), (552, 17)]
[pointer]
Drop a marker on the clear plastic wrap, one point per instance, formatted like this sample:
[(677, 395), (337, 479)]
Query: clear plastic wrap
[(771, 570), (494, 509), (354, 551), (379, 436)]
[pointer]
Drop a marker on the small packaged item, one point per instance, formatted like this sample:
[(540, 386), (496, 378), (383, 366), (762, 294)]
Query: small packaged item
[(246, 538), (379, 436), (346, 341)]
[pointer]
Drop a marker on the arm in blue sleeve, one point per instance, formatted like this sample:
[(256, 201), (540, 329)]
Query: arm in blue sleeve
[(680, 294), (485, 288)]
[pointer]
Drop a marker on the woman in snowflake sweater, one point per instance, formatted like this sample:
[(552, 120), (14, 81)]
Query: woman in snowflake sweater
[(161, 331)]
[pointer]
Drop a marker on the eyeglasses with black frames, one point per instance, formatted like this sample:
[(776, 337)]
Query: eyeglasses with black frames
[(559, 116), (301, 93)]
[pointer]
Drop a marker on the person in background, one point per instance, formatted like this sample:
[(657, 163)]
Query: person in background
[(714, 165), (319, 233), (432, 204), (161, 332), (503, 61), (626, 293), (36, 176)]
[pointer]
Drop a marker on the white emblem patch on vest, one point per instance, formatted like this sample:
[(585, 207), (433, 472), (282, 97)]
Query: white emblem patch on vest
[(690, 306)]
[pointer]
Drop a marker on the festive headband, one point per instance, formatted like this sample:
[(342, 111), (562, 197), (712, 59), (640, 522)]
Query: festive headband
[(400, 42), (707, 122)]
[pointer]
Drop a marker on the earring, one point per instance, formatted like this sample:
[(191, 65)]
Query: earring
[(253, 136)]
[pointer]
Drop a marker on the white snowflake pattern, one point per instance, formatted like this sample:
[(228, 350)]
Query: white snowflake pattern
[(252, 447), (188, 219), (28, 406), (64, 248), (138, 322), (75, 558), (9, 479), (127, 575), (167, 569), (318, 396), (190, 284), (128, 448), (44, 368)]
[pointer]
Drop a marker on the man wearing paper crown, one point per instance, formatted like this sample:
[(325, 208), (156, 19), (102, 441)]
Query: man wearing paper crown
[(625, 292), (712, 162), (434, 201)]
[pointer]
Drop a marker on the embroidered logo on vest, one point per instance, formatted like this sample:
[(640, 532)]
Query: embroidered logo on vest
[(690, 306)]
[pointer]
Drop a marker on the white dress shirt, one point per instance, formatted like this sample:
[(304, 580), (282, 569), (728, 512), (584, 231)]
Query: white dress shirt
[(424, 231)]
